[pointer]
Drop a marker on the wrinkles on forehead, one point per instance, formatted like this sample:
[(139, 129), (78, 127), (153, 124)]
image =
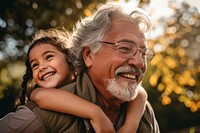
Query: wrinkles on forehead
[(121, 29)]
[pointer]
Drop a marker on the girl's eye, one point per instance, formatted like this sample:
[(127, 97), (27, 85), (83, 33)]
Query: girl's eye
[(49, 57), (34, 66)]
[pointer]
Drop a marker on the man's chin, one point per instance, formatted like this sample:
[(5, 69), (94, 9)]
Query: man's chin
[(123, 91), (128, 98)]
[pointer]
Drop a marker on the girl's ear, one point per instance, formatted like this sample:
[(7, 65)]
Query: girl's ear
[(87, 56)]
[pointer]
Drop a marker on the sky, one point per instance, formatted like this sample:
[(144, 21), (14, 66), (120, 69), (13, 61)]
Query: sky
[(159, 8), (154, 4)]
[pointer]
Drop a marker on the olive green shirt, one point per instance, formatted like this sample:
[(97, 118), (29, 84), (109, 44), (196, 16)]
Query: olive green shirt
[(84, 88), (55, 122)]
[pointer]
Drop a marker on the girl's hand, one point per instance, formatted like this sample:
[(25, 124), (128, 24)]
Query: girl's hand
[(125, 129), (101, 123)]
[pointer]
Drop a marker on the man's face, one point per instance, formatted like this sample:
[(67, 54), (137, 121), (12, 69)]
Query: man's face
[(112, 73)]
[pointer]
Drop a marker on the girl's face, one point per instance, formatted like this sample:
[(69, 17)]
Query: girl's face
[(49, 66)]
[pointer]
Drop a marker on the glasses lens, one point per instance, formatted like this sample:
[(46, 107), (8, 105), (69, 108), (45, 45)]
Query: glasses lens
[(128, 49), (124, 47), (148, 55)]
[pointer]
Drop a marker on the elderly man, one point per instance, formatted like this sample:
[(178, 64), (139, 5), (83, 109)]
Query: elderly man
[(112, 49), (111, 60)]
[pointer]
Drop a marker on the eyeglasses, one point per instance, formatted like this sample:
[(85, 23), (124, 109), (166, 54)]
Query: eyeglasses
[(129, 49)]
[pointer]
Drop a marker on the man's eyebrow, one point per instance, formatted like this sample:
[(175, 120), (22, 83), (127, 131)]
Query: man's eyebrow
[(128, 40), (133, 42)]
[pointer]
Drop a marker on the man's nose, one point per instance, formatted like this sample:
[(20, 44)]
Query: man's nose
[(137, 60)]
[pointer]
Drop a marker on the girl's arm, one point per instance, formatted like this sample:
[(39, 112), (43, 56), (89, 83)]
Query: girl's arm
[(66, 102), (134, 113)]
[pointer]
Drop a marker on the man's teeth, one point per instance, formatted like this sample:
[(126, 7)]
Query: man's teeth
[(126, 75), (48, 75)]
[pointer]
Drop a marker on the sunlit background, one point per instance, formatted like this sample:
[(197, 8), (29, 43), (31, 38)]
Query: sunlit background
[(173, 77)]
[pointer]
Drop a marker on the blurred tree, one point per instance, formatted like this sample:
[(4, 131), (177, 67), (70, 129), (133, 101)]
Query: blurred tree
[(175, 70), (19, 19), (177, 59)]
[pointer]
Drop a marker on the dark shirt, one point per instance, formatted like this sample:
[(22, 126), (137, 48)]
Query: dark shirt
[(55, 122)]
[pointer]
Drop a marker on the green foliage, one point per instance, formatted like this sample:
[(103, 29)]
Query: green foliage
[(19, 19), (11, 75), (177, 64), (174, 74)]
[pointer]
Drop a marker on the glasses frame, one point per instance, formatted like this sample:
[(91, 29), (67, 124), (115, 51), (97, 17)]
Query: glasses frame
[(147, 58)]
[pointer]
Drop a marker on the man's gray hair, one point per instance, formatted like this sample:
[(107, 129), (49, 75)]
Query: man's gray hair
[(90, 30)]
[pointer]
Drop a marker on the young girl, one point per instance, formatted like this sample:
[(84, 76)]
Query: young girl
[(50, 65)]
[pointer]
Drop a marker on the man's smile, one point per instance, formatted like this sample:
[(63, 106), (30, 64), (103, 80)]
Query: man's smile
[(128, 75)]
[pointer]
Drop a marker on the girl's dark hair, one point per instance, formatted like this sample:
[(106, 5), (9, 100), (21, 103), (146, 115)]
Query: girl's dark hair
[(59, 38)]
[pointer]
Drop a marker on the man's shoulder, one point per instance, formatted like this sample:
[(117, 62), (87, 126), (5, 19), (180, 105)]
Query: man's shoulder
[(22, 114), (56, 121), (149, 109), (148, 122), (69, 87), (22, 120)]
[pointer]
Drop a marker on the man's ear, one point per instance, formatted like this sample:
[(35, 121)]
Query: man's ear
[(87, 56)]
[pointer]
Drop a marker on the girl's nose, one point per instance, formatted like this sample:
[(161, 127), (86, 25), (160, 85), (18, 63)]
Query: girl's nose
[(43, 67)]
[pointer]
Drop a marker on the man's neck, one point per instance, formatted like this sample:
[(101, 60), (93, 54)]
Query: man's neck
[(111, 109)]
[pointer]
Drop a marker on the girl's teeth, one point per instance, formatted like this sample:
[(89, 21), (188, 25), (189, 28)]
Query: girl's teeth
[(47, 75)]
